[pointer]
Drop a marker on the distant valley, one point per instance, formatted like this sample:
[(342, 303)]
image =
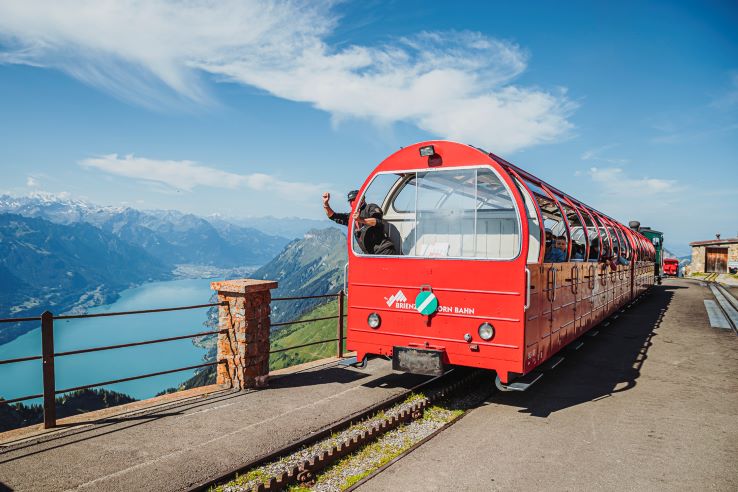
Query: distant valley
[(67, 255)]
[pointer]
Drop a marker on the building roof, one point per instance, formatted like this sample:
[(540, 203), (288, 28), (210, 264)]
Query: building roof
[(714, 242)]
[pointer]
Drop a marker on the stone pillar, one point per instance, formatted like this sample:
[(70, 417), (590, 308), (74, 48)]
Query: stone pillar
[(245, 345)]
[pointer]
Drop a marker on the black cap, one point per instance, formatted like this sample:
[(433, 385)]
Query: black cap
[(352, 195)]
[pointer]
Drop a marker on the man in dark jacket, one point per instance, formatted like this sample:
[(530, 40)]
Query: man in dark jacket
[(368, 226)]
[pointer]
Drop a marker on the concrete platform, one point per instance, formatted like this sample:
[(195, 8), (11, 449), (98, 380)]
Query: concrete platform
[(177, 444), (651, 403)]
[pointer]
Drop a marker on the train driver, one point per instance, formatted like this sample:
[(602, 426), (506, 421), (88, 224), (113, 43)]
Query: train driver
[(369, 230)]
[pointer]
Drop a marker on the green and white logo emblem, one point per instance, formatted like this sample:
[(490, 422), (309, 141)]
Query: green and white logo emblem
[(426, 303)]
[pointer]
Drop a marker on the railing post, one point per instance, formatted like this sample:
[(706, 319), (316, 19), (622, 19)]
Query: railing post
[(47, 353), (339, 333), (243, 316)]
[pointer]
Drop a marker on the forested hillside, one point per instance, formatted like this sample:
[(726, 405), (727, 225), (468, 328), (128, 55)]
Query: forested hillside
[(47, 266), (309, 266)]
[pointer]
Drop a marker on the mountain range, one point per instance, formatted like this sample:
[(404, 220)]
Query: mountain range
[(171, 236), (47, 266), (67, 255), (312, 265)]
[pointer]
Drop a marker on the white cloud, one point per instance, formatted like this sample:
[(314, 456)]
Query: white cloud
[(186, 175), (454, 85), (31, 182), (614, 181), (599, 154)]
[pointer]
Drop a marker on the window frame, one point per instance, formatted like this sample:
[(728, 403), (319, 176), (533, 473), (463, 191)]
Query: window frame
[(400, 184), (596, 227)]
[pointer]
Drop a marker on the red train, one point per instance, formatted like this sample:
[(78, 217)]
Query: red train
[(480, 281), (671, 267)]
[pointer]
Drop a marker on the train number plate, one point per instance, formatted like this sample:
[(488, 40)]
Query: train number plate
[(417, 361)]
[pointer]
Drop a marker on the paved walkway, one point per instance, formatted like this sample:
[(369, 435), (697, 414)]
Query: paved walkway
[(651, 403), (177, 445)]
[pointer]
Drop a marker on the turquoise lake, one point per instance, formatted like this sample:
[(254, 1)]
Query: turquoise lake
[(24, 378)]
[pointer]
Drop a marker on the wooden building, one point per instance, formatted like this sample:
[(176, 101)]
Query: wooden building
[(715, 255)]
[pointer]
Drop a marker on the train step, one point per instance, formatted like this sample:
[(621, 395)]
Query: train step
[(353, 362), (520, 384)]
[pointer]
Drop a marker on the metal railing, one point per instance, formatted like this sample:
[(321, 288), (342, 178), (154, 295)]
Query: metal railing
[(340, 296), (48, 355)]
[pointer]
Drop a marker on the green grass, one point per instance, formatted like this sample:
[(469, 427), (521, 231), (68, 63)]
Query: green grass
[(301, 333)]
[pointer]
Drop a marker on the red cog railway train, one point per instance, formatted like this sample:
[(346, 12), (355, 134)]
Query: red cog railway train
[(472, 283)]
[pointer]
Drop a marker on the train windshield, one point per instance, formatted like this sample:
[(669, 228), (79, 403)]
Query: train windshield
[(453, 213)]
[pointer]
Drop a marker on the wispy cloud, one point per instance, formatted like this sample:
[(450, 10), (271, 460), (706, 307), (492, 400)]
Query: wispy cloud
[(599, 154), (31, 182), (455, 85), (186, 175), (614, 181)]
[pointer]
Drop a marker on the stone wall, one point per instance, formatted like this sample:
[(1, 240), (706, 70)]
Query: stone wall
[(698, 255), (698, 260)]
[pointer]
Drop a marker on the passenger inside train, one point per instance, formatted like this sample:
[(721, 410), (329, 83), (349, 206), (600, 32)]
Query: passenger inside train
[(369, 230), (453, 213), (470, 213)]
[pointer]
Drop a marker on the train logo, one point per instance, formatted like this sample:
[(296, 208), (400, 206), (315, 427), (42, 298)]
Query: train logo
[(397, 298)]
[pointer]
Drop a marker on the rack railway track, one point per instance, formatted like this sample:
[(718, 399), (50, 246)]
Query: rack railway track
[(437, 388), (727, 304)]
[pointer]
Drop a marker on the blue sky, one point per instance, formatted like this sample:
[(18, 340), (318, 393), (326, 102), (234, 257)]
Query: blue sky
[(249, 108)]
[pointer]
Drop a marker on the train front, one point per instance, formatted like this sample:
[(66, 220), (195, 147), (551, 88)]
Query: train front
[(451, 288)]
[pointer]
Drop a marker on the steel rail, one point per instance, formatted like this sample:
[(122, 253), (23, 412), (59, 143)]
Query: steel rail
[(133, 378), (119, 313), (114, 381), (20, 320), (21, 359), (296, 298), (731, 299), (322, 433), (141, 311), (304, 345), (729, 308), (406, 452), (135, 344), (22, 398), (285, 323)]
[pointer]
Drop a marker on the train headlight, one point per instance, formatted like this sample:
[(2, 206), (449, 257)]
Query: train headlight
[(486, 331), (374, 320)]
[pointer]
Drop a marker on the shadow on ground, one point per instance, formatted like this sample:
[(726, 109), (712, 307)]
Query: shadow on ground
[(608, 363)]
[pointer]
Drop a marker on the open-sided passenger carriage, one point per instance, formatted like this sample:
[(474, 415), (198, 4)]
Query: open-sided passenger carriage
[(472, 287)]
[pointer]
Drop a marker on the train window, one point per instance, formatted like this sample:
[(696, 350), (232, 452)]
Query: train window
[(616, 249), (594, 237), (554, 224), (606, 244), (378, 191), (625, 252), (534, 227), (454, 213), (578, 234)]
